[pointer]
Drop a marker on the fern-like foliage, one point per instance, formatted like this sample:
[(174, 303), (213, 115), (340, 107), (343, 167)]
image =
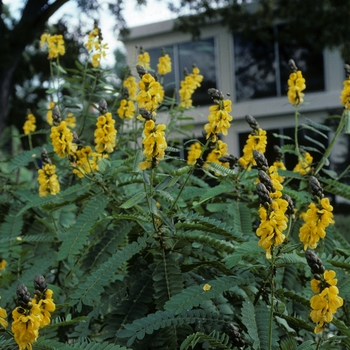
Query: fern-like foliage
[(242, 219), (214, 339), (90, 289), (256, 321), (75, 238), (195, 295), (161, 319), (168, 279), (243, 250)]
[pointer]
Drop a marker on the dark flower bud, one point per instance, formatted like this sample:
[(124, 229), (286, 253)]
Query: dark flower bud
[(235, 336), (102, 106), (185, 72), (290, 208), (146, 114), (40, 283), (278, 153), (215, 94), (23, 296), (261, 161), (266, 180), (56, 116), (252, 122), (263, 193), (314, 262), (125, 93), (292, 66), (347, 70), (199, 163), (232, 160), (141, 71), (76, 139), (315, 187), (317, 277), (45, 157)]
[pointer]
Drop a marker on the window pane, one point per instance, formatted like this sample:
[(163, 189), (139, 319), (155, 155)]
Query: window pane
[(254, 67), (309, 61), (202, 54), (168, 79)]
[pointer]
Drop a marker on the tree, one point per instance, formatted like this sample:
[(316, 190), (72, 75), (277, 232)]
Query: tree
[(16, 36)]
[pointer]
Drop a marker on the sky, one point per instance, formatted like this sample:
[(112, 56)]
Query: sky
[(155, 11)]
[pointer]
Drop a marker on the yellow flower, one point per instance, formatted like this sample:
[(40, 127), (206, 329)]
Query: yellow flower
[(219, 119), (279, 165), (29, 125), (317, 218), (95, 47), (345, 94), (49, 113), (82, 162), (273, 222), (105, 134), (256, 141), (194, 153), (206, 287), (130, 83), (154, 144), (126, 109), (71, 121), (46, 306), (151, 93), (164, 65), (188, 86), (25, 326), (144, 59), (3, 315), (62, 139), (55, 44), (296, 84), (303, 166), (219, 151), (3, 264), (48, 181)]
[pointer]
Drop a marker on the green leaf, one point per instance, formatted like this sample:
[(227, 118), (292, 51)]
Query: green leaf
[(318, 125), (138, 197), (76, 237), (319, 144)]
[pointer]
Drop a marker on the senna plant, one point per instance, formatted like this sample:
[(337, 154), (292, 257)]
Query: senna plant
[(110, 239)]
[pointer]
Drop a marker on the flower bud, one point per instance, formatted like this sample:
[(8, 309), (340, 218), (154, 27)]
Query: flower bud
[(261, 161), (102, 106), (252, 122)]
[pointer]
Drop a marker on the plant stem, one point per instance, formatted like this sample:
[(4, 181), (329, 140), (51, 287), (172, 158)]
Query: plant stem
[(331, 145), (271, 302), (319, 343), (181, 189), (296, 117)]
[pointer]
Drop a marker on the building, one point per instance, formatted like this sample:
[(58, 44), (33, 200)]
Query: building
[(253, 74)]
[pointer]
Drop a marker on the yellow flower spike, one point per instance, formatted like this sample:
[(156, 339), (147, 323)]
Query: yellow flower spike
[(29, 125), (144, 59), (218, 152), (126, 109), (62, 139), (55, 45), (296, 84), (3, 264), (151, 93), (206, 287), (71, 121), (164, 65), (304, 164), (194, 153), (48, 181), (105, 134), (3, 315), (345, 94), (188, 86), (49, 113), (95, 47), (130, 83)]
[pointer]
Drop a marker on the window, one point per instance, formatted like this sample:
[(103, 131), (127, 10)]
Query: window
[(184, 55), (261, 65)]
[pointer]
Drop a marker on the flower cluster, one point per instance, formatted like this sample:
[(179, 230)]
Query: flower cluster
[(85, 161), (273, 207), (256, 141), (154, 144), (131, 85), (304, 164), (3, 315), (95, 47), (127, 107), (345, 94), (31, 314), (29, 125), (105, 133), (47, 178), (317, 217), (49, 113), (219, 151), (143, 59), (219, 118), (325, 304), (61, 136), (164, 65), (194, 153), (151, 92), (188, 86), (55, 44), (3, 263), (70, 121), (296, 84)]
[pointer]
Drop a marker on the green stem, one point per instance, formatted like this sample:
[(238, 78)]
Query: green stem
[(31, 147), (181, 189), (296, 117), (331, 145), (271, 302), (319, 343)]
